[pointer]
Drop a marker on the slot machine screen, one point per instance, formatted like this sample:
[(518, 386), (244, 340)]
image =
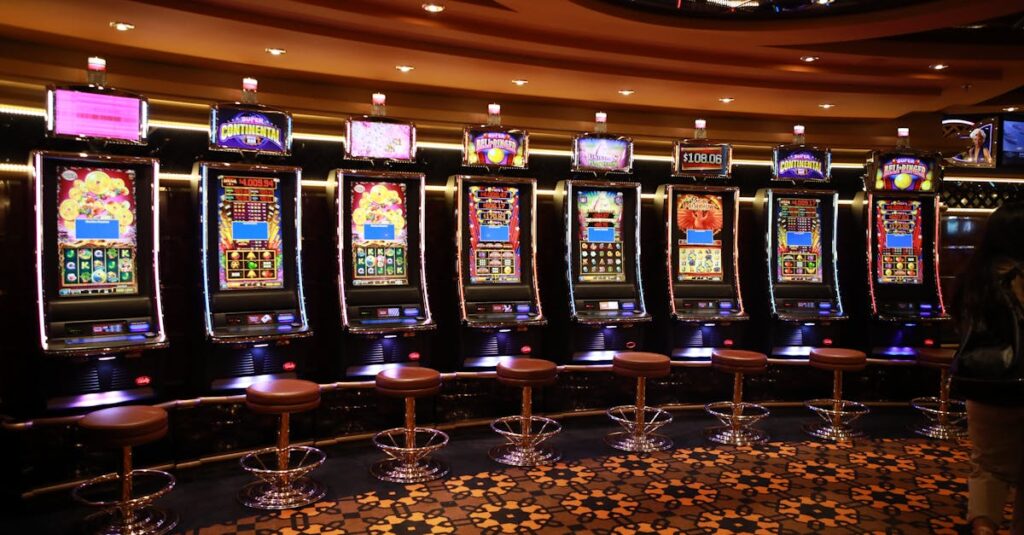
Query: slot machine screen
[(97, 115), (600, 235), (249, 241), (494, 235), (380, 234), (96, 231), (798, 236), (898, 231), (598, 153), (699, 221), (377, 139), (1013, 142)]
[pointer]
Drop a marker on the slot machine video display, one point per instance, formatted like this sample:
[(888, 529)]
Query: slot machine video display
[(251, 260), (800, 215), (900, 210), (603, 256), (497, 277)]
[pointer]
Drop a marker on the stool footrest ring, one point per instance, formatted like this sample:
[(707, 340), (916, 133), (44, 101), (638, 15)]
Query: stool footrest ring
[(639, 437), (278, 488), (942, 424), (837, 418), (135, 516), (737, 420), (409, 464), (523, 447)]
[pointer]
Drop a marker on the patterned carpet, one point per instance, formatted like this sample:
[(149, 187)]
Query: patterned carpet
[(877, 486)]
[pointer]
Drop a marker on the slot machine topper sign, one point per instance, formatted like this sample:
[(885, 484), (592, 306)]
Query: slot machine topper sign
[(378, 137), (247, 126), (904, 169), (797, 162), (599, 152), (495, 146), (699, 157), (97, 112)]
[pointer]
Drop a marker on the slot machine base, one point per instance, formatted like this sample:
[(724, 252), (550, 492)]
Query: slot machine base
[(483, 349), (794, 340), (694, 341), (600, 343), (234, 368), (89, 383), (903, 340), (368, 355)]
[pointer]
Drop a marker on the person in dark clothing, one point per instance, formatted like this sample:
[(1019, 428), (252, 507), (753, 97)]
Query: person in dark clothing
[(989, 291)]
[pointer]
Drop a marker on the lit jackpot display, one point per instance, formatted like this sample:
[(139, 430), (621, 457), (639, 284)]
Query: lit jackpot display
[(600, 236), (494, 247), (250, 248), (380, 238), (798, 255), (699, 220)]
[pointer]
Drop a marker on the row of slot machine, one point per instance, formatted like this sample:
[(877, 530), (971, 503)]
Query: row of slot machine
[(98, 261)]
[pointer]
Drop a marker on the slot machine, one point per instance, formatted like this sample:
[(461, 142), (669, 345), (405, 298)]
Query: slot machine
[(385, 309), (602, 249), (496, 247), (250, 217), (99, 314), (900, 213), (701, 255), (799, 215)]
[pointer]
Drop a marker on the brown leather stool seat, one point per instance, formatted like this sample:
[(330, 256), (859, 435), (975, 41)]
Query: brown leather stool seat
[(936, 357), (282, 396), (527, 372), (738, 361), (120, 427), (638, 364), (838, 359), (408, 382)]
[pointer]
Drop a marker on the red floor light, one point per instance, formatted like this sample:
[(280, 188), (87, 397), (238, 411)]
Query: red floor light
[(826, 342), (288, 366), (526, 350), (727, 342), (142, 380), (630, 345), (415, 355), (929, 342)]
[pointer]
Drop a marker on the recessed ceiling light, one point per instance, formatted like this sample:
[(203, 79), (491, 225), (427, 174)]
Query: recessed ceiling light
[(404, 68), (826, 106), (726, 100), (122, 26), (276, 51), (824, 2), (520, 82), (1011, 108), (809, 59), (938, 67), (626, 92), (431, 7)]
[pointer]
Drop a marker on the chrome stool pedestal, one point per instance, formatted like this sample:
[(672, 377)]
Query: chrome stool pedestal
[(639, 422), (282, 471), (945, 416), (737, 417), (525, 433)]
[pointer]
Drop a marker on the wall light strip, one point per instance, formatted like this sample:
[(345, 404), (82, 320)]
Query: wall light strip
[(322, 137), (177, 125), (15, 168), (26, 111)]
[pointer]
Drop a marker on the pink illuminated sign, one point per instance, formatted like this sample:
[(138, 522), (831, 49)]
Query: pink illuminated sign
[(97, 115)]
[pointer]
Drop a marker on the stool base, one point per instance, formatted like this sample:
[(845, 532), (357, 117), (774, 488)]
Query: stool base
[(132, 517), (525, 448), (835, 425), (942, 424), (409, 464), (639, 437), (146, 520), (282, 488), (737, 423)]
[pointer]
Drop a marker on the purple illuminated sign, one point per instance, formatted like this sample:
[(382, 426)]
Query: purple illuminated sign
[(97, 115), (594, 152), (245, 129)]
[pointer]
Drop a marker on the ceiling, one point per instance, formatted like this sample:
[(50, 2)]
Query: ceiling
[(873, 62)]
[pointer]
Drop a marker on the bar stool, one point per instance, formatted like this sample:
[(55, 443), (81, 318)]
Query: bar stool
[(409, 448), (837, 414), (639, 421), (945, 415), (125, 427), (526, 432), (282, 471), (737, 417)]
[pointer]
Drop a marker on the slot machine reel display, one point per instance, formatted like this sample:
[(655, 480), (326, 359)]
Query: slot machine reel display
[(900, 209), (800, 217), (97, 254), (701, 256), (603, 256), (251, 257), (385, 309)]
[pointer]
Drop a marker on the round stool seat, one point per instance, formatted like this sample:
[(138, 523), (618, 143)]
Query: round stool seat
[(130, 425), (738, 361), (408, 382), (835, 358), (282, 396), (527, 372), (936, 357), (638, 364)]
